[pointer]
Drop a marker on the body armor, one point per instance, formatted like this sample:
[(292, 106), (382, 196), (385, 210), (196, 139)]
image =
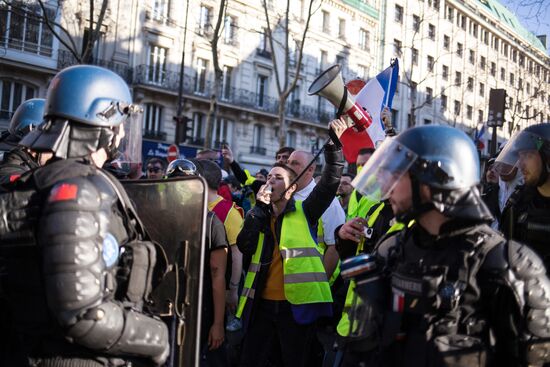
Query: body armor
[(15, 163), (77, 270), (450, 293)]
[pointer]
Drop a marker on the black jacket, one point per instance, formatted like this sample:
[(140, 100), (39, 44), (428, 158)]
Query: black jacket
[(258, 218)]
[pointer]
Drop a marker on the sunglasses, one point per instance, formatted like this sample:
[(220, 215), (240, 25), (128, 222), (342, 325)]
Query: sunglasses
[(154, 169)]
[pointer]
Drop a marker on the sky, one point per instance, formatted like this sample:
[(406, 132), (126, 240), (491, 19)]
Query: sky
[(533, 14)]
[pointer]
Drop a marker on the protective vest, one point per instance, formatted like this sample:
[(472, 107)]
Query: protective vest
[(305, 280), (343, 327), (358, 208)]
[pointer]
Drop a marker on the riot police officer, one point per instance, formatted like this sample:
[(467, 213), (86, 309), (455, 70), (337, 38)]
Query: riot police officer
[(448, 290), (17, 159), (77, 266), (526, 217)]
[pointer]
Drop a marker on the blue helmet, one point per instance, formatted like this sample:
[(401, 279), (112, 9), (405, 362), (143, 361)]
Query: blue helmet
[(27, 116), (85, 105)]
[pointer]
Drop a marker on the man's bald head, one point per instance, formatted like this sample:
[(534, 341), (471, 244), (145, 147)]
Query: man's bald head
[(298, 160)]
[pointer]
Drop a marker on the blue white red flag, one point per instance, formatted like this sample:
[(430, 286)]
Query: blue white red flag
[(481, 137)]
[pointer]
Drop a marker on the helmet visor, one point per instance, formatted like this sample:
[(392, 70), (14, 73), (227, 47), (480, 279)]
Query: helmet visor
[(129, 145), (384, 169), (181, 167), (520, 144)]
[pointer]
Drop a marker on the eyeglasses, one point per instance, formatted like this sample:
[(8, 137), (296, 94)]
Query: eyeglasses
[(154, 169)]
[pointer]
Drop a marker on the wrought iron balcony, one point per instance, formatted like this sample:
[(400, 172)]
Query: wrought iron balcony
[(66, 59), (154, 134)]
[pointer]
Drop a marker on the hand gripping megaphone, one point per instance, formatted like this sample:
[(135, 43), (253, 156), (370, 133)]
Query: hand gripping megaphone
[(330, 85)]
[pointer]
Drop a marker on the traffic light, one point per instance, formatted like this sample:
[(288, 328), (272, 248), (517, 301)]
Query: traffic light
[(497, 103), (184, 129)]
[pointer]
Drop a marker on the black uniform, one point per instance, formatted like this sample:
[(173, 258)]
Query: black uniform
[(76, 271), (464, 298), (526, 218), (14, 163)]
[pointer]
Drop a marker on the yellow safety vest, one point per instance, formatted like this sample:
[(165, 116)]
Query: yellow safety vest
[(343, 327), (358, 208), (305, 279)]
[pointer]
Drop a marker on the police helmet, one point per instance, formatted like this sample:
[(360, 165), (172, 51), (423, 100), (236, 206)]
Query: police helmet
[(27, 116), (181, 167), (84, 109)]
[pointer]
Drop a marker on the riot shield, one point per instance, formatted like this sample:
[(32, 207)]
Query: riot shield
[(174, 214)]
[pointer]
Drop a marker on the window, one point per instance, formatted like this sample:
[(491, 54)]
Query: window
[(205, 20), (12, 94), (469, 112), (470, 84), (520, 84), (160, 10), (397, 47), (495, 43), (458, 77), (456, 109), (290, 139), (230, 30), (341, 28), (326, 21), (414, 56), (416, 23), (512, 79), (503, 74), (222, 131), (226, 82), (446, 42), (341, 60), (450, 14), (398, 14), (364, 39), (258, 136), (472, 57), (95, 53), (413, 91), (323, 60), (482, 62), (480, 116), (528, 88), (459, 49), (431, 32), (429, 96), (430, 63), (261, 90), (200, 77), (486, 37), (515, 55), (156, 64), (362, 72), (427, 121), (23, 29), (443, 102), (473, 29), (505, 49), (199, 120), (493, 69), (445, 72), (482, 89), (463, 20), (152, 122)]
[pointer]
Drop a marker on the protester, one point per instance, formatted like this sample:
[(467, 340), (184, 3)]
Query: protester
[(344, 190), (286, 287), (154, 168)]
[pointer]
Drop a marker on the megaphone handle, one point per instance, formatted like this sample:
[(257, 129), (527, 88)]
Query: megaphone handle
[(334, 138)]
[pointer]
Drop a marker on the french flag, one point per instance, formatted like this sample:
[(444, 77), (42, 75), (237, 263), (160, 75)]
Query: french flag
[(480, 137), (373, 97)]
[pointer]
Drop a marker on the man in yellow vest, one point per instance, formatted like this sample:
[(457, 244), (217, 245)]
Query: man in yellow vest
[(286, 288)]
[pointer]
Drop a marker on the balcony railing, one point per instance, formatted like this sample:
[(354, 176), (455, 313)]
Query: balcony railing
[(66, 59), (258, 150), (154, 134)]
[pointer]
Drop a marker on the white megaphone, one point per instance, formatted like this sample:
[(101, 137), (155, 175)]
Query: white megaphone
[(330, 85)]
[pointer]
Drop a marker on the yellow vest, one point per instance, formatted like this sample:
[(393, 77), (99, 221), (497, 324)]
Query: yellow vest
[(358, 208), (305, 279), (343, 327)]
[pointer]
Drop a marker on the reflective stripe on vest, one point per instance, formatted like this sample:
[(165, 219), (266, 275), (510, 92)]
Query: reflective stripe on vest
[(248, 288), (343, 327), (305, 279)]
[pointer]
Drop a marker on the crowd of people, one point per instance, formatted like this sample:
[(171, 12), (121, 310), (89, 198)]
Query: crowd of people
[(405, 257)]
